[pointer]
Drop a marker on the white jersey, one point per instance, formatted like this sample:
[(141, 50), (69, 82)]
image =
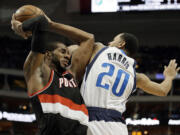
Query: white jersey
[(109, 80)]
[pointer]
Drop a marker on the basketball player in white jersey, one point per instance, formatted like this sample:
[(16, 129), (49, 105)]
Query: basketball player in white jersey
[(110, 79)]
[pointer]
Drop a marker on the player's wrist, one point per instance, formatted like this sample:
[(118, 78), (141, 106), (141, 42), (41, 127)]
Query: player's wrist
[(169, 78), (30, 24), (20, 29)]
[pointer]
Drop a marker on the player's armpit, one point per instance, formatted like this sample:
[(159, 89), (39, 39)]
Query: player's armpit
[(158, 89), (36, 73), (35, 83), (33, 61), (32, 64)]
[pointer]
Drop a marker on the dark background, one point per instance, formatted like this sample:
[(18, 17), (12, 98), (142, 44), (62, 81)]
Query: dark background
[(159, 36)]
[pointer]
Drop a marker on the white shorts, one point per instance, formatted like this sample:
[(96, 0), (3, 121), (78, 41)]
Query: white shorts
[(107, 128)]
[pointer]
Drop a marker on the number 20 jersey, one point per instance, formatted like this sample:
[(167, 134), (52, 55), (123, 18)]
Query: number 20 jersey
[(109, 80)]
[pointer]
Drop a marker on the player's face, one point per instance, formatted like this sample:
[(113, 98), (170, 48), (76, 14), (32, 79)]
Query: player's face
[(61, 56), (116, 41)]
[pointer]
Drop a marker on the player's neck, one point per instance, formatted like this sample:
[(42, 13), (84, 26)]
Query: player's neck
[(57, 68)]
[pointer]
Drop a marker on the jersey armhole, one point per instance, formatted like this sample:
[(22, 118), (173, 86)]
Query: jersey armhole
[(45, 87), (89, 66)]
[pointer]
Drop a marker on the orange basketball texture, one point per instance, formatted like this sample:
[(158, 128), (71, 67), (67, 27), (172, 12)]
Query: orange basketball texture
[(26, 12)]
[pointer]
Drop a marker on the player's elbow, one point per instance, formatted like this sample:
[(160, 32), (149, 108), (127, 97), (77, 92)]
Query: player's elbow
[(90, 41), (163, 93), (91, 38)]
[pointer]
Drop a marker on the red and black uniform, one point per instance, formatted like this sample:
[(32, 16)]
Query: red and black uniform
[(59, 107)]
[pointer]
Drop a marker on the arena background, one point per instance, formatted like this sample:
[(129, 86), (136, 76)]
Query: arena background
[(157, 31)]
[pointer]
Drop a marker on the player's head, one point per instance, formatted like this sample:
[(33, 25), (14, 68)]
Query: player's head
[(57, 56), (127, 42)]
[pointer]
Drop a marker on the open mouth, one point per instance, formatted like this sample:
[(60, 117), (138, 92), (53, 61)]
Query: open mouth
[(65, 63)]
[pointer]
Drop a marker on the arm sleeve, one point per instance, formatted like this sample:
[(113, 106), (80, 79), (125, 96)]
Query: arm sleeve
[(40, 21), (39, 27)]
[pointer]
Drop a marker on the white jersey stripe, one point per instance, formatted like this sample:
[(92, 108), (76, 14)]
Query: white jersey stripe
[(65, 112)]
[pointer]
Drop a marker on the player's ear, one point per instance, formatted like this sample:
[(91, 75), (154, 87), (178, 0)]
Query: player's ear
[(121, 44), (48, 55)]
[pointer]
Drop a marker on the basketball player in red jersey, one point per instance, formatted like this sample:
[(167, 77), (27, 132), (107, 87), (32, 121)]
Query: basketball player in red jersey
[(53, 90)]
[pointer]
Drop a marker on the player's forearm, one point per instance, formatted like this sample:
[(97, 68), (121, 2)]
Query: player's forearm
[(166, 85), (70, 32), (39, 22), (160, 89), (39, 27), (151, 87)]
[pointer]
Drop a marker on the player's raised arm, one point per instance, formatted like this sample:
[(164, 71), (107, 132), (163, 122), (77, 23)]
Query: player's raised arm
[(70, 32), (83, 54), (81, 58), (158, 89), (34, 62)]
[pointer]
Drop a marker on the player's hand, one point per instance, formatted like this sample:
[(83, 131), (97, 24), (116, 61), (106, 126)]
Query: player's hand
[(171, 70), (17, 27)]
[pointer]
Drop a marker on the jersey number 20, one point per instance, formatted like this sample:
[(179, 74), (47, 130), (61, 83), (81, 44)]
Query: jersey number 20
[(110, 73)]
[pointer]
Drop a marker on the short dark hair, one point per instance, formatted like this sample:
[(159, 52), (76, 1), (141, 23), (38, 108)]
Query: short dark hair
[(51, 46), (132, 43)]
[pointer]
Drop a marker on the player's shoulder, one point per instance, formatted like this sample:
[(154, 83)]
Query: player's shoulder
[(97, 47), (140, 77)]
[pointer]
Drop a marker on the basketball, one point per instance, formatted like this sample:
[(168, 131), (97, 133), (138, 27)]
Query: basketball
[(26, 12)]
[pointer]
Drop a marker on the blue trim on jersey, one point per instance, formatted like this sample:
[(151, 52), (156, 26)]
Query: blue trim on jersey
[(134, 86), (123, 52), (108, 115), (92, 62)]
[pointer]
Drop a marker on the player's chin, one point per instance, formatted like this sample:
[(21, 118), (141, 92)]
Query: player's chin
[(64, 65)]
